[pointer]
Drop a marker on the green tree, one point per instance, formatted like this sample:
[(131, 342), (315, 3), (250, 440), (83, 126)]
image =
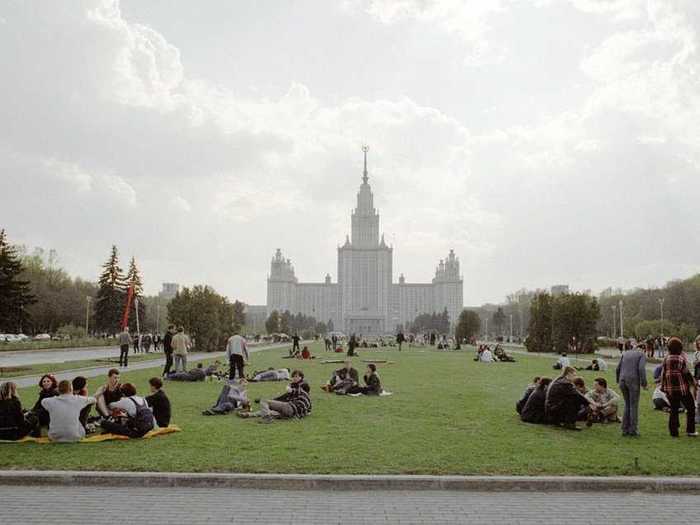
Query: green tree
[(204, 314), (238, 315), (15, 292), (133, 278), (468, 325), (498, 320), (285, 322), (272, 323), (539, 337), (111, 295), (329, 325)]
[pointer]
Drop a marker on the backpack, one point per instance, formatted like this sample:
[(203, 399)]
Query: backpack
[(143, 421)]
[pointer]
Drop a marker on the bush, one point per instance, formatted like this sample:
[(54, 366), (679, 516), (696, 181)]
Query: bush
[(71, 331)]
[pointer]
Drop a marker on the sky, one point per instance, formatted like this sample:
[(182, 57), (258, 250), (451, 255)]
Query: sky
[(545, 141)]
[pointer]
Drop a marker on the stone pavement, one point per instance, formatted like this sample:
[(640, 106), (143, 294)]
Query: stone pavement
[(28, 505)]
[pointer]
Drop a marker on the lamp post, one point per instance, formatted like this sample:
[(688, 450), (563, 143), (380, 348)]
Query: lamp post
[(661, 306), (622, 319), (87, 315), (487, 329), (614, 323), (511, 328)]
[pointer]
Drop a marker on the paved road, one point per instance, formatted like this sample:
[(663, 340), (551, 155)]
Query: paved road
[(28, 505), (102, 370)]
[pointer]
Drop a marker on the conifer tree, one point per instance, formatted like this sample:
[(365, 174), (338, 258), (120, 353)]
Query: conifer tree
[(15, 292), (111, 295), (133, 278)]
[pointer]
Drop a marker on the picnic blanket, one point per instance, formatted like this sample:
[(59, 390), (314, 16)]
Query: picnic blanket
[(99, 438)]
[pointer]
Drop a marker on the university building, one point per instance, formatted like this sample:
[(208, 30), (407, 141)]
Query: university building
[(365, 300)]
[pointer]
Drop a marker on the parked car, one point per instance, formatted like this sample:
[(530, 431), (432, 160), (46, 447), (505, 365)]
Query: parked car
[(42, 337)]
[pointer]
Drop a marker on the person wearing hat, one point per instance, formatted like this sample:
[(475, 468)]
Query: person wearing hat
[(679, 386), (631, 376)]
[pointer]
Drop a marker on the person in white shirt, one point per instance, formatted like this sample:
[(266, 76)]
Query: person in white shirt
[(486, 356), (237, 353), (562, 362), (64, 412), (659, 399), (281, 374), (128, 406)]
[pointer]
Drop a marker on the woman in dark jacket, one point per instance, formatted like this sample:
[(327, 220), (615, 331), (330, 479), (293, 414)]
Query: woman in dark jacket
[(14, 423), (48, 387), (563, 400), (533, 411), (373, 383)]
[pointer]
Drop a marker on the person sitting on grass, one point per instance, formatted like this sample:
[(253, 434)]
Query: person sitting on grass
[(15, 423), (598, 365), (233, 396), (133, 417), (305, 353), (295, 403), (533, 411), (564, 400), (659, 400), (64, 412), (562, 362), (342, 379), (281, 374), (603, 403), (48, 387), (79, 384), (159, 402), (108, 393), (502, 356), (530, 388), (373, 385), (196, 374), (486, 356), (584, 407)]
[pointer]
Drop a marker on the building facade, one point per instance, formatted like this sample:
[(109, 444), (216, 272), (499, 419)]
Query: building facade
[(365, 300)]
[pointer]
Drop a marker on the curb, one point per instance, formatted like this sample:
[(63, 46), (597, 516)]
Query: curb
[(352, 483)]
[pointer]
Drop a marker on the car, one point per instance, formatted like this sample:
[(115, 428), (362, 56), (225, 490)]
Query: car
[(42, 337)]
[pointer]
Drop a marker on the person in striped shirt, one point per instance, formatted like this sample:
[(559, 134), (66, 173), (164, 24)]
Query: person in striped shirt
[(294, 403)]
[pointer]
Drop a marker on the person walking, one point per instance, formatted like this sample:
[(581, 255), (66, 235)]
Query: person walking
[(400, 339), (679, 385), (631, 375), (124, 343), (168, 349), (181, 343), (237, 353)]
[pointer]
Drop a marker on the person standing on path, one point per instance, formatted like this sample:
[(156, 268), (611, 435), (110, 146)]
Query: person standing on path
[(678, 384), (181, 343), (168, 349), (631, 376), (295, 342), (124, 342), (237, 353), (400, 339)]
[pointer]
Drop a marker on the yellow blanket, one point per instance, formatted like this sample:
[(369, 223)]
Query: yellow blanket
[(98, 438)]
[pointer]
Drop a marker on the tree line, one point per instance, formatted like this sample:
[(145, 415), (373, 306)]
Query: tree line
[(304, 325)]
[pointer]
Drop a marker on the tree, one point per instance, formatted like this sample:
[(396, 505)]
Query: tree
[(238, 315), (539, 337), (498, 320), (133, 278), (111, 295), (15, 292), (329, 325), (468, 325), (204, 314), (272, 323), (285, 320), (321, 328)]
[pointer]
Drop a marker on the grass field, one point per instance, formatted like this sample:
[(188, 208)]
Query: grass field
[(40, 368), (448, 415), (55, 345)]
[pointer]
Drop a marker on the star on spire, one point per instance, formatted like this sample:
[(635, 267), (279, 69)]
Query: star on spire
[(365, 177)]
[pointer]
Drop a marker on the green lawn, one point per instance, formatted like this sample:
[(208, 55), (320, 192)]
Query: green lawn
[(448, 415), (55, 345), (40, 368)]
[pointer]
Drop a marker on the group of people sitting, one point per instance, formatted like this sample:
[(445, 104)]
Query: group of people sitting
[(485, 355), (345, 381), (566, 400), (64, 408), (199, 373)]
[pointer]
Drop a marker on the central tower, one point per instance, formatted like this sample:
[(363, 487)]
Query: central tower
[(365, 269)]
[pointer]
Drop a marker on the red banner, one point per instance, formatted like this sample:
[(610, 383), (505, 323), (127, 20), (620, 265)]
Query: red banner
[(129, 297)]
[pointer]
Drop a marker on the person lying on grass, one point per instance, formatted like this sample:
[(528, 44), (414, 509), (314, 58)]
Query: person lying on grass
[(342, 379), (271, 374), (15, 423), (564, 400), (132, 415), (533, 411), (295, 403), (64, 413), (233, 396), (529, 390), (603, 403), (373, 385), (108, 393), (159, 402), (502, 356), (196, 374)]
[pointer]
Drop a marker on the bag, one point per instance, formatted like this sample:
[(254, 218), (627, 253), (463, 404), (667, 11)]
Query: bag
[(143, 421)]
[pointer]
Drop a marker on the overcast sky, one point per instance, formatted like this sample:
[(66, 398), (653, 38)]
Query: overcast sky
[(546, 141)]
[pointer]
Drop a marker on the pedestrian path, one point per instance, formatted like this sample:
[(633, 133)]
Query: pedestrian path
[(176, 505), (26, 358), (24, 381)]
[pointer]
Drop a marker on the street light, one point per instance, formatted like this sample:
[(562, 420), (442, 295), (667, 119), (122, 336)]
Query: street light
[(87, 315), (511, 328), (614, 315), (661, 305), (622, 320)]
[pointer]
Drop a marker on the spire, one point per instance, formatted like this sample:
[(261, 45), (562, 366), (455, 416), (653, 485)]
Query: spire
[(365, 177)]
